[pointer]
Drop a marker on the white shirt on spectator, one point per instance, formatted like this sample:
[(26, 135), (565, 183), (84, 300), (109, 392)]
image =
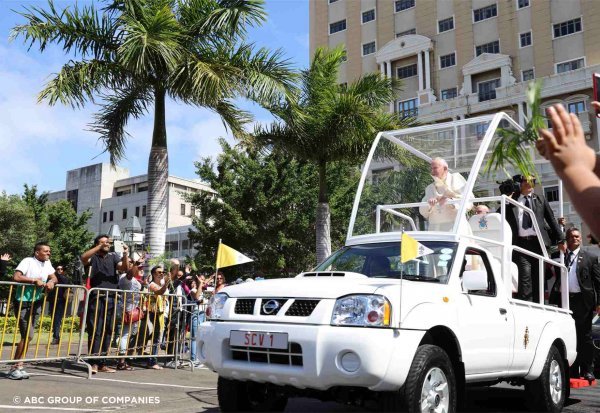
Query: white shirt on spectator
[(35, 269), (529, 231), (573, 281)]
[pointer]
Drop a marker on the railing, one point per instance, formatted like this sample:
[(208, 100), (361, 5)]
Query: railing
[(88, 326)]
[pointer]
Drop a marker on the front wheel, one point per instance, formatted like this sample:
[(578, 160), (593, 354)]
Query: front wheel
[(431, 385), (548, 392)]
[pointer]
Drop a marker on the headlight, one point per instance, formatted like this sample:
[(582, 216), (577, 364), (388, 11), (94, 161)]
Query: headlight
[(362, 310), (214, 309)]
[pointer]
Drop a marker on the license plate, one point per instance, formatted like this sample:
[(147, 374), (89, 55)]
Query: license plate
[(260, 339)]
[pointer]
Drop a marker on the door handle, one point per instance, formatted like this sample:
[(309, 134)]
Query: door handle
[(502, 311)]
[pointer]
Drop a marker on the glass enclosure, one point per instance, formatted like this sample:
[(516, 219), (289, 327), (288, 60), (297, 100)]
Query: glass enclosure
[(398, 189)]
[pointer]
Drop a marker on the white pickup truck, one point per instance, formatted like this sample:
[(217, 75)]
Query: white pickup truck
[(363, 326)]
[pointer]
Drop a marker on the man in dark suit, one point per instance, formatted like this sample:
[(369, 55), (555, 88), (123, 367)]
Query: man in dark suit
[(524, 235), (584, 299)]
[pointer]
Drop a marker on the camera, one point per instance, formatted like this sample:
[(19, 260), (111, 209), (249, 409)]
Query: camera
[(509, 187)]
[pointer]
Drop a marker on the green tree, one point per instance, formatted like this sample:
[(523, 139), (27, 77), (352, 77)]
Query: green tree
[(18, 230), (330, 123), (67, 233), (264, 209), (37, 203), (135, 53)]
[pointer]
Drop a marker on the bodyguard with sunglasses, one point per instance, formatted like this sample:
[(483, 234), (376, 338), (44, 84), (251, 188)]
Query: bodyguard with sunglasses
[(524, 235)]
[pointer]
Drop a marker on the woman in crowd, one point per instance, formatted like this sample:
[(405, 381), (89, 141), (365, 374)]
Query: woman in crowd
[(129, 305), (221, 282), (156, 307)]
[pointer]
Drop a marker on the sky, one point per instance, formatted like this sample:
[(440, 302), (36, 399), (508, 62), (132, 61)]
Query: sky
[(40, 143)]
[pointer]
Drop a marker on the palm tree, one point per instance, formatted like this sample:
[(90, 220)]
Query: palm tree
[(330, 123), (135, 53)]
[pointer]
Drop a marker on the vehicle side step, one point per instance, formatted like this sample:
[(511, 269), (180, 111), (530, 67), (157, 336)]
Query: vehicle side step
[(581, 382)]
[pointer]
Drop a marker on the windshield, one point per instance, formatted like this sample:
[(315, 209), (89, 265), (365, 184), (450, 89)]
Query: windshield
[(383, 261)]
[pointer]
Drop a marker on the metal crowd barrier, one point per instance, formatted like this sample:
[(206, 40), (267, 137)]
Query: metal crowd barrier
[(192, 313), (99, 318)]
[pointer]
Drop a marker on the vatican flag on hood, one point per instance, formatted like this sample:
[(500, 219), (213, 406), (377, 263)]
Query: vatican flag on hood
[(227, 256), (411, 249)]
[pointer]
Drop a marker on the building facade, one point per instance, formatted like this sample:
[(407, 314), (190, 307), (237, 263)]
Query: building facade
[(464, 58), (114, 198)]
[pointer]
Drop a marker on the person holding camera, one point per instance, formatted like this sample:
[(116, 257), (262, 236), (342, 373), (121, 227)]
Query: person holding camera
[(106, 266), (525, 236)]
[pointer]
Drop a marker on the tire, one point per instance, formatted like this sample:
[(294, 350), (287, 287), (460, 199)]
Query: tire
[(238, 396), (548, 392), (431, 384)]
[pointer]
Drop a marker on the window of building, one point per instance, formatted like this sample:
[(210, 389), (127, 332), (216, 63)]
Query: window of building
[(576, 107), (368, 48), (406, 71), (567, 28), (144, 210), (142, 188), (332, 1), (445, 24), (408, 108), (337, 26), (72, 197), (378, 175), (485, 13), (124, 213), (368, 16), (123, 192), (570, 65), (448, 60), (110, 216), (137, 211), (492, 47), (104, 216), (487, 89), (449, 93), (527, 75), (551, 193), (522, 4), (404, 4), (406, 32), (182, 209), (525, 39)]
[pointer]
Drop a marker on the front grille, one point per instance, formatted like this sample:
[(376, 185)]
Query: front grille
[(302, 308), (280, 301), (292, 356), (244, 306)]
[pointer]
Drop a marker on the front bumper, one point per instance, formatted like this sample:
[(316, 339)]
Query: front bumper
[(384, 355)]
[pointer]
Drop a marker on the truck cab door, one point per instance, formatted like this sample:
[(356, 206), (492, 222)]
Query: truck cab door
[(484, 320)]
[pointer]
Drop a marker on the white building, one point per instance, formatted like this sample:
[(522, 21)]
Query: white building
[(113, 198)]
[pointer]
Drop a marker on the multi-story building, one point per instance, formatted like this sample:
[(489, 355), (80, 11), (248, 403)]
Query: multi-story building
[(465, 58), (114, 198)]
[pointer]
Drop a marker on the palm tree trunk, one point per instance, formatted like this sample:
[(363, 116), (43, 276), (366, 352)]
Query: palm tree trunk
[(323, 224), (158, 174)]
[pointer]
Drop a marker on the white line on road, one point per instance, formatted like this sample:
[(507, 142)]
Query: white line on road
[(125, 381)]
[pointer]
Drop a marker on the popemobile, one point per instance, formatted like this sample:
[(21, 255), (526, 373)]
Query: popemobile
[(419, 304)]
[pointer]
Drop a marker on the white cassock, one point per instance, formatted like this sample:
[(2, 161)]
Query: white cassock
[(442, 217)]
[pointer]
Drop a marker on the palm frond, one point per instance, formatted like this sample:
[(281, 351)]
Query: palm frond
[(233, 17), (77, 82), (118, 108), (80, 30), (511, 147), (233, 117), (153, 41)]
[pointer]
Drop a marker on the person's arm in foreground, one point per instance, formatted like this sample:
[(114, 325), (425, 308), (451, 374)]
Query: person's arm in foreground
[(574, 162)]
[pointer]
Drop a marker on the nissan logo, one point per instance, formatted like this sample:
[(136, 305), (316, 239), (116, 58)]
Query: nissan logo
[(270, 307)]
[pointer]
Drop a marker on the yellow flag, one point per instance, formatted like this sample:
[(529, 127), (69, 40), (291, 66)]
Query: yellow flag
[(227, 256), (410, 249)]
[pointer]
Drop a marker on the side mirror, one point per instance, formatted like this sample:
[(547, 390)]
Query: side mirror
[(475, 280)]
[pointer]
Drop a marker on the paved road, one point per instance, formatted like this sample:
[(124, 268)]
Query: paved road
[(182, 391)]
